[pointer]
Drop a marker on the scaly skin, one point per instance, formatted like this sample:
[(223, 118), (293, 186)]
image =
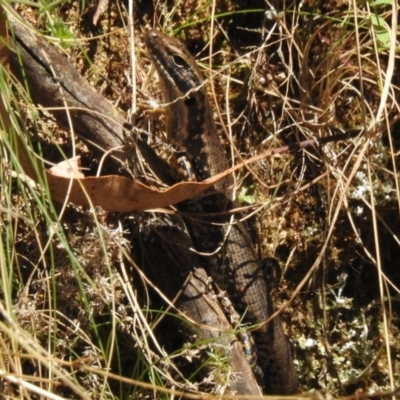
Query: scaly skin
[(236, 267)]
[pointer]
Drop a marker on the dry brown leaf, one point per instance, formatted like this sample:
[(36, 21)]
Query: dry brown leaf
[(68, 168), (119, 194)]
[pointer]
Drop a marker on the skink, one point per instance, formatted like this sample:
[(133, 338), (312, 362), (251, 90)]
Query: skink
[(192, 131)]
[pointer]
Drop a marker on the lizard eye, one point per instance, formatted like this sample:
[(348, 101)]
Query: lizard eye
[(179, 61)]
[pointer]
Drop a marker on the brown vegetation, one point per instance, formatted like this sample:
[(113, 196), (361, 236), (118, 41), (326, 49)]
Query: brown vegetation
[(82, 316)]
